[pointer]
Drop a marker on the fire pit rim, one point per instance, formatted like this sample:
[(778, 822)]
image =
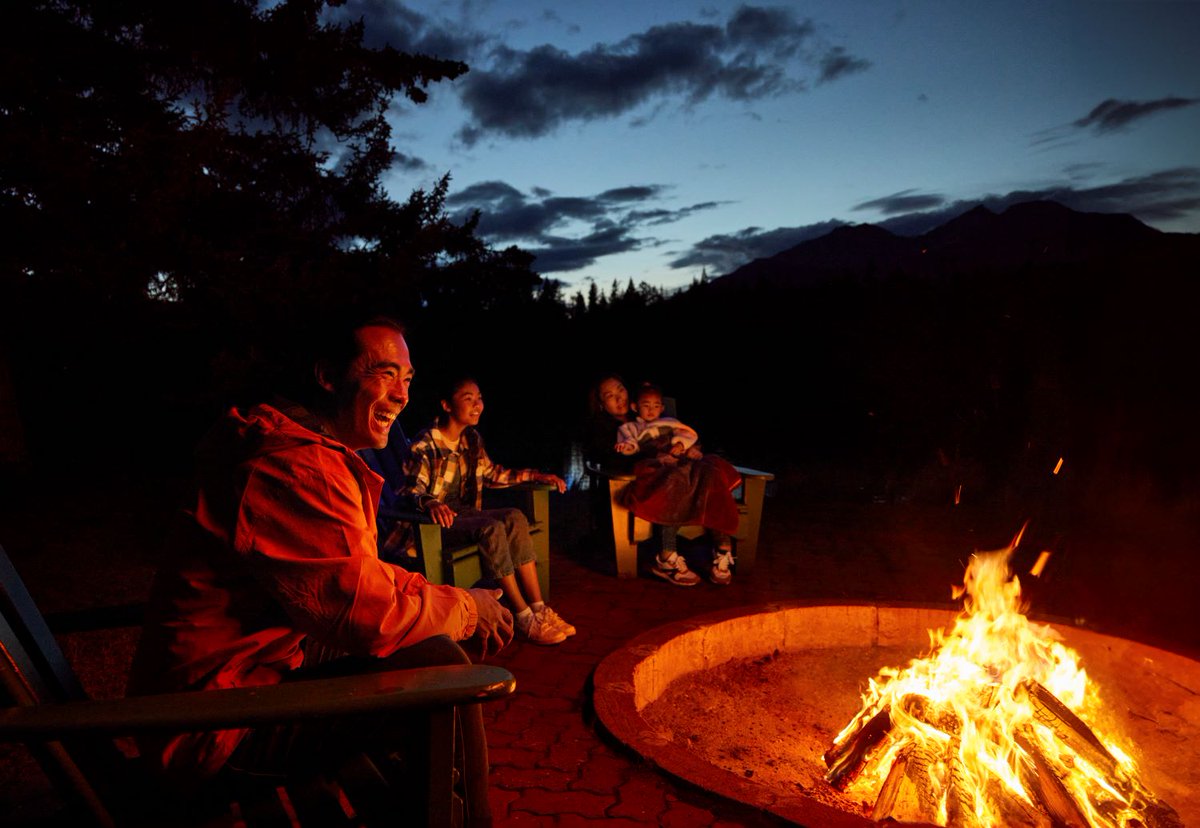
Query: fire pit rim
[(618, 711)]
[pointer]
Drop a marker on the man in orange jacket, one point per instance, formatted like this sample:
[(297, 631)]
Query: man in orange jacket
[(276, 572)]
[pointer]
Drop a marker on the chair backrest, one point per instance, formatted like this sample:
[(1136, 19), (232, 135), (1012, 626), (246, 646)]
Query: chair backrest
[(32, 658), (33, 671)]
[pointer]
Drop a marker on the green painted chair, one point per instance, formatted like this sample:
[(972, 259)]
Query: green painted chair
[(460, 566), (628, 530)]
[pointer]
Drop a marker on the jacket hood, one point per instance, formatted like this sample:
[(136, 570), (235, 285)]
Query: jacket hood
[(262, 430)]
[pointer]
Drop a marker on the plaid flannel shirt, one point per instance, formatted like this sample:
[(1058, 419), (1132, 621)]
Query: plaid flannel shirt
[(432, 463)]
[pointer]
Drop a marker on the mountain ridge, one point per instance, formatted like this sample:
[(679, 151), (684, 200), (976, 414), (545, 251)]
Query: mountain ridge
[(1028, 233)]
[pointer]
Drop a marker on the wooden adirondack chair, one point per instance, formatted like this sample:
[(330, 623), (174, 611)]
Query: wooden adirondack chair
[(628, 530), (72, 736), (460, 566)]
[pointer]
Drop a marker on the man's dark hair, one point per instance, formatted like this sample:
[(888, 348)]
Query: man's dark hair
[(340, 346), (332, 342)]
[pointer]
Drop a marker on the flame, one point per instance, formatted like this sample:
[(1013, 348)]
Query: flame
[(964, 719)]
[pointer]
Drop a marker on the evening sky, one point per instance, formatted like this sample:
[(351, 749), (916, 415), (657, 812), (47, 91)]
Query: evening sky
[(655, 140)]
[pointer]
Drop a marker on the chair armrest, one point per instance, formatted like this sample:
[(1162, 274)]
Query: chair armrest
[(406, 515), (528, 486), (610, 474), (607, 474), (413, 516), (748, 472), (358, 695)]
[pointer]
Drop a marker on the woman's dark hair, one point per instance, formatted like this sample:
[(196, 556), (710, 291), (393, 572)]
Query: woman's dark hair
[(595, 404)]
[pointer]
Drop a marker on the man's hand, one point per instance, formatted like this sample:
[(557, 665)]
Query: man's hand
[(494, 627), (558, 482), (442, 514)]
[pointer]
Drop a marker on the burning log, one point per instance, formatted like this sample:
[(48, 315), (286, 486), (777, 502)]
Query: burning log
[(946, 721), (1158, 814), (845, 760), (885, 803), (1075, 734), (1014, 811), (921, 709), (960, 804), (1071, 730), (918, 771), (1041, 780)]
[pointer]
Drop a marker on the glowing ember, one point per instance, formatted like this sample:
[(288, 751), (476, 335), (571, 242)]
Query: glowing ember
[(991, 727)]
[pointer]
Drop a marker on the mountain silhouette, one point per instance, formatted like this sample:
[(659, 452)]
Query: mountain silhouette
[(1034, 233)]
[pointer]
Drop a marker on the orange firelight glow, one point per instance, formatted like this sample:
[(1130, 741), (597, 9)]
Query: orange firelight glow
[(969, 736)]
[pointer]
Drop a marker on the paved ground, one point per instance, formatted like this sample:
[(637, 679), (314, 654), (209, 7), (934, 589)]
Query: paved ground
[(1127, 571)]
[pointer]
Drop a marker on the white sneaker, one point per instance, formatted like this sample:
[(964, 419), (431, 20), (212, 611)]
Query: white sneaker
[(533, 628), (553, 619), (722, 560), (675, 570)]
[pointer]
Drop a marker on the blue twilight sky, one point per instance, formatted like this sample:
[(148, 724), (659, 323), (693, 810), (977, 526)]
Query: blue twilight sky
[(653, 139)]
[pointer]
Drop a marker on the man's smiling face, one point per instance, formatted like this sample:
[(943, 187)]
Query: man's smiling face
[(374, 389)]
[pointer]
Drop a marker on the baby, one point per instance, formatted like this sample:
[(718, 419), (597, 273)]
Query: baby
[(653, 432)]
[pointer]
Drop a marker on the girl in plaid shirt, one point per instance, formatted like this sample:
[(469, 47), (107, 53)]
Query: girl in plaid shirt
[(446, 472)]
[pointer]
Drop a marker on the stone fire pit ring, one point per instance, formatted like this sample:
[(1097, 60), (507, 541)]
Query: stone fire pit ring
[(1158, 691)]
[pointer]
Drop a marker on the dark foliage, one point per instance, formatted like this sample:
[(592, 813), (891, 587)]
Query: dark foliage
[(189, 186)]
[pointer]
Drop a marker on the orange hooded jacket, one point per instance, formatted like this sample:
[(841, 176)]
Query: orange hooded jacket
[(279, 555)]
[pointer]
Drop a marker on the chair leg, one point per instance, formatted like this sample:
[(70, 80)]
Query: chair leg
[(442, 806), (539, 515), (754, 490), (622, 531)]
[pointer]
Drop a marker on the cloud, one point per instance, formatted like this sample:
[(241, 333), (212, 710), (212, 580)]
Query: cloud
[(387, 23), (904, 201), (410, 163), (1159, 196), (558, 255), (569, 232), (837, 64), (1112, 115), (755, 54), (724, 253)]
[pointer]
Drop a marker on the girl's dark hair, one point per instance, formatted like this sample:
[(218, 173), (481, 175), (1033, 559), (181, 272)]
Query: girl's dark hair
[(447, 392), (646, 388)]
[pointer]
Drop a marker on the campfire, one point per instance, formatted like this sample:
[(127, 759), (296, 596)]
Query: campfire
[(998, 726)]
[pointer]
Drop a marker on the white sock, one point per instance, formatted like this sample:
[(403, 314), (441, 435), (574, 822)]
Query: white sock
[(537, 606), (524, 616)]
